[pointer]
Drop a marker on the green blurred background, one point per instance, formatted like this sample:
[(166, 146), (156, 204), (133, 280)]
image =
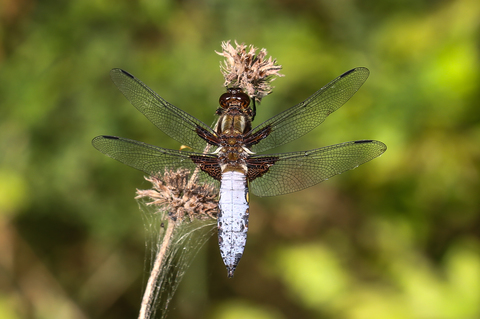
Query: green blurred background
[(398, 237)]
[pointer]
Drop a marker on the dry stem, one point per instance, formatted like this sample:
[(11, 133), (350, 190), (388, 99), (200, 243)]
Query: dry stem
[(184, 200), (148, 301)]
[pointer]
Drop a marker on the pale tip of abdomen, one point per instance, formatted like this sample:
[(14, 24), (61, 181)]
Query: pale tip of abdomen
[(231, 270)]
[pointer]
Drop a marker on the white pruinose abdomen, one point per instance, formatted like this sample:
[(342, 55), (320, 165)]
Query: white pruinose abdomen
[(233, 218)]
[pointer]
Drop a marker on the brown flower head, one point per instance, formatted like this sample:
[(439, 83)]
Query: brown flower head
[(180, 196), (253, 73)]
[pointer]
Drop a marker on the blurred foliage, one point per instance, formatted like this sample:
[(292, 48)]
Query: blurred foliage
[(396, 238)]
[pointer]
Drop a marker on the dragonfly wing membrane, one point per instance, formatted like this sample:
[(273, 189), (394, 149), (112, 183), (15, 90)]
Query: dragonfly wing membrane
[(171, 120), (304, 117), (295, 171), (152, 160)]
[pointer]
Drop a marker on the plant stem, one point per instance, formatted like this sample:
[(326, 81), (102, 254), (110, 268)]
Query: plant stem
[(148, 300)]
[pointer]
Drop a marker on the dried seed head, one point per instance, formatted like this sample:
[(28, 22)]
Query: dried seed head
[(253, 73), (180, 196)]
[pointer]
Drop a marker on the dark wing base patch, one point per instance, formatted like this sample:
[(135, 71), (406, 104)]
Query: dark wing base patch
[(259, 166), (209, 165)]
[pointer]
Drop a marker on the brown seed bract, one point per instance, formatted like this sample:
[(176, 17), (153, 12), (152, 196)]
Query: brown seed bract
[(180, 196)]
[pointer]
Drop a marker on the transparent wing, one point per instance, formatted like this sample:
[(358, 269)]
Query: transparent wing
[(174, 122), (302, 118), (295, 171), (148, 158)]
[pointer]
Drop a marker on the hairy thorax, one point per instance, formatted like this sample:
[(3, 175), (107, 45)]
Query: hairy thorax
[(231, 129)]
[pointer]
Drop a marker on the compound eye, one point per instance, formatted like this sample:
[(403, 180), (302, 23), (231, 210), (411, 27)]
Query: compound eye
[(224, 98), (243, 99)]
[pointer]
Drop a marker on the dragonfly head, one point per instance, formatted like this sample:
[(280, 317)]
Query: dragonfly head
[(234, 97)]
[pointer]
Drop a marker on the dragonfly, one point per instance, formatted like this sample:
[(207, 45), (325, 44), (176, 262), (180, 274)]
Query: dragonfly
[(233, 164)]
